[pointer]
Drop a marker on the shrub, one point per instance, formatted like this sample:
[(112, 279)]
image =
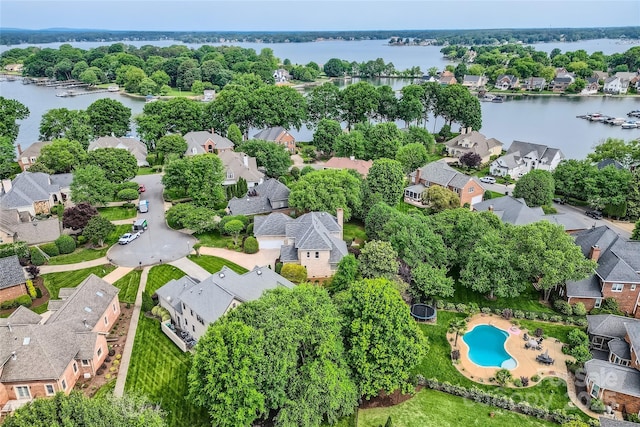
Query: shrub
[(50, 249), (65, 244), (18, 248), (485, 310), (580, 322), (563, 307), (112, 352), (461, 308), (128, 205), (278, 267), (524, 381), (294, 272), (507, 313), (544, 316), (450, 306), (579, 309), (250, 245), (147, 302), (243, 219), (155, 309), (535, 378), (581, 353), (82, 240), (531, 315), (539, 332), (250, 229), (128, 194), (36, 257), (555, 319), (517, 382), (38, 293), (31, 289), (21, 300), (597, 405), (455, 355), (503, 376), (518, 314)]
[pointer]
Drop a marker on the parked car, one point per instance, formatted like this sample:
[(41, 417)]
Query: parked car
[(594, 214), (141, 188), (488, 180), (128, 238), (559, 200)]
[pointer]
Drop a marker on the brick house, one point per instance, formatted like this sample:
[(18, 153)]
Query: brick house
[(12, 279), (42, 356), (616, 381), (617, 275), (278, 135), (560, 83), (468, 188), (471, 141), (313, 240), (203, 142), (30, 155), (360, 166), (35, 192)]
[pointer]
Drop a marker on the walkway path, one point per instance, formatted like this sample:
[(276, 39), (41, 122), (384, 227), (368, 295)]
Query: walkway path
[(190, 268), (131, 336), (262, 258), (44, 269), (116, 274)]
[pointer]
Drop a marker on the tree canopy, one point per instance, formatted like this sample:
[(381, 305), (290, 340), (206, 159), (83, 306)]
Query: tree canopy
[(272, 156), (90, 185), (386, 178), (118, 165), (62, 156), (536, 188), (61, 123), (109, 117), (198, 177)]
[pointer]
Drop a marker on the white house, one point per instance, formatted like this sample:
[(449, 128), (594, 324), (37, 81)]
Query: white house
[(523, 157)]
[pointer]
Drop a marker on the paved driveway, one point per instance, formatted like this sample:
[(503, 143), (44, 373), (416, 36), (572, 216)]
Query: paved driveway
[(159, 243)]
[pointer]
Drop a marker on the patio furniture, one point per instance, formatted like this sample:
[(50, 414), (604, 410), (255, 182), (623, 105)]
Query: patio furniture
[(533, 344), (544, 358)]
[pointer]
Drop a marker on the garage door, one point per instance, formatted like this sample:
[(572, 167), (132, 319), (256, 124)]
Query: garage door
[(270, 243), (476, 199)]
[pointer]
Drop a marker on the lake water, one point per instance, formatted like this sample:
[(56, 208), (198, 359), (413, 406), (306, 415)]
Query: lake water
[(545, 120)]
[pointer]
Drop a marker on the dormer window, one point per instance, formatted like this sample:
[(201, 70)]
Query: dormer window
[(230, 175)]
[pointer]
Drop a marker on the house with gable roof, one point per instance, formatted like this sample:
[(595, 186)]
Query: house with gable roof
[(506, 82), (534, 83), (360, 166), (471, 141), (313, 240), (12, 279), (194, 305), (468, 188), (615, 377), (474, 82), (40, 356), (279, 135), (134, 146), (264, 198), (240, 165), (30, 155), (203, 142), (35, 192), (617, 275), (523, 157)]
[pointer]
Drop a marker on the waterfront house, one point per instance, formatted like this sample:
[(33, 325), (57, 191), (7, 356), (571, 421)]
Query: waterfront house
[(614, 85), (468, 188), (471, 141), (561, 83), (12, 279), (41, 356), (447, 78), (134, 146), (474, 82), (35, 192), (360, 166), (278, 135), (600, 75), (313, 240), (264, 198), (281, 75), (523, 157), (627, 80), (534, 83), (506, 82), (194, 305), (240, 165), (617, 275), (609, 334), (591, 87), (203, 142), (30, 155)]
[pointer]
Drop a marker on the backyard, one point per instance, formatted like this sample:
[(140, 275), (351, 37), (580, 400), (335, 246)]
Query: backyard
[(70, 279), (128, 286), (117, 213), (213, 239), (213, 263)]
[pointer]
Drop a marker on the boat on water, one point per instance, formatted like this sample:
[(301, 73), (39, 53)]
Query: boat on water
[(498, 98), (597, 117), (487, 98), (629, 124), (65, 94)]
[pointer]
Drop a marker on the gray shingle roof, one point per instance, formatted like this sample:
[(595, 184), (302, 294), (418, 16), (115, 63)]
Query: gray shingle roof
[(268, 192), (235, 163), (26, 188), (610, 376), (274, 224), (270, 134), (134, 146), (197, 140), (61, 180), (620, 348), (477, 143), (633, 330), (34, 149), (288, 253), (21, 316), (588, 288), (608, 422), (619, 259), (442, 174), (609, 162), (511, 210), (609, 325), (11, 272)]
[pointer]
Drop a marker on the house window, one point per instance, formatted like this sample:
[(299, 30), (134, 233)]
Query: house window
[(106, 321), (193, 328), (633, 287), (317, 254), (598, 302), (186, 322), (64, 384), (85, 362), (75, 368), (229, 175), (183, 306), (308, 254), (617, 287), (99, 352), (191, 313), (114, 307), (48, 388), (595, 390), (471, 189), (22, 392)]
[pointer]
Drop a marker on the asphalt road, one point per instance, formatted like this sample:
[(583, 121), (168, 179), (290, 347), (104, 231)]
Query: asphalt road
[(158, 243), (579, 213)]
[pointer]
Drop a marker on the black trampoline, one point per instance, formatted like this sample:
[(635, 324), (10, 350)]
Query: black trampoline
[(423, 311)]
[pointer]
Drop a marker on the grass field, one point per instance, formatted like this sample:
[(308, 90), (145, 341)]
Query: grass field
[(70, 279), (430, 408), (213, 239), (128, 286), (79, 255), (146, 171), (158, 370), (527, 301), (116, 213), (161, 274), (213, 264), (354, 230)]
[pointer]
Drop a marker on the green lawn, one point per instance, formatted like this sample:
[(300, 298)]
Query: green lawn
[(527, 301), (70, 279), (79, 255), (433, 408), (160, 275), (128, 286), (158, 370), (146, 171), (494, 194), (213, 264), (116, 213), (214, 239), (354, 230), (554, 330)]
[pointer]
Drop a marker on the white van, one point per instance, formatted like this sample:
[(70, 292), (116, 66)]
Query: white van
[(143, 206)]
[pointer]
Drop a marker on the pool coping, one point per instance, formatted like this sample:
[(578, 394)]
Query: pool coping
[(504, 345)]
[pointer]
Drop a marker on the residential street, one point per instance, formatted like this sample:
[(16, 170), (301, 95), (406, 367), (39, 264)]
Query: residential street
[(158, 243)]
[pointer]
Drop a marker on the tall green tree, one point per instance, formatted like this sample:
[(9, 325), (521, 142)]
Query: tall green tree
[(428, 282), (272, 156), (323, 103), (382, 140), (358, 103), (616, 149), (378, 259), (98, 229), (456, 104), (234, 134), (536, 188), (439, 198), (412, 156), (635, 235), (351, 144), (386, 178), (108, 116), (7, 157), (171, 144), (575, 178), (326, 135), (10, 112), (204, 178), (62, 156), (118, 164), (327, 190), (346, 273), (279, 106), (61, 123), (459, 327), (91, 185), (383, 343)]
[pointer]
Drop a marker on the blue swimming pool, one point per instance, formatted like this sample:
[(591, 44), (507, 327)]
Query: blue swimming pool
[(486, 347)]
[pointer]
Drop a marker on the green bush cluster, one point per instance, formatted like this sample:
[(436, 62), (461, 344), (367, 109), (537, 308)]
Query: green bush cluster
[(65, 244), (250, 245), (36, 256), (82, 239), (18, 248), (24, 300), (50, 249), (31, 289), (147, 302), (128, 194), (226, 219), (563, 307), (161, 312)]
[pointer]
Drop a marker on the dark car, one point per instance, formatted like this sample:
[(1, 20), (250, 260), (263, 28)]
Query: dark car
[(559, 200), (594, 214)]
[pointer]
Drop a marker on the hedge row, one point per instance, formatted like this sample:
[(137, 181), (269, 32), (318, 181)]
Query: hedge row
[(13, 303), (18, 248)]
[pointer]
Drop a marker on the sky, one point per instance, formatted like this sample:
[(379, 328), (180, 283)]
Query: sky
[(301, 15)]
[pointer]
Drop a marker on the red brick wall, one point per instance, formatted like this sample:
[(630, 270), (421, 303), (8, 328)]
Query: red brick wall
[(13, 292), (626, 299), (111, 316), (4, 395), (631, 403), (589, 303), (465, 196)]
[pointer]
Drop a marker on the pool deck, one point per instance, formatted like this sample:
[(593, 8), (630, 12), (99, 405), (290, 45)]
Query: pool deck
[(527, 366)]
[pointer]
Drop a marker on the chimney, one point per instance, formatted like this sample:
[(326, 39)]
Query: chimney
[(594, 254), (340, 218), (463, 131), (245, 161), (469, 129), (19, 149), (6, 185)]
